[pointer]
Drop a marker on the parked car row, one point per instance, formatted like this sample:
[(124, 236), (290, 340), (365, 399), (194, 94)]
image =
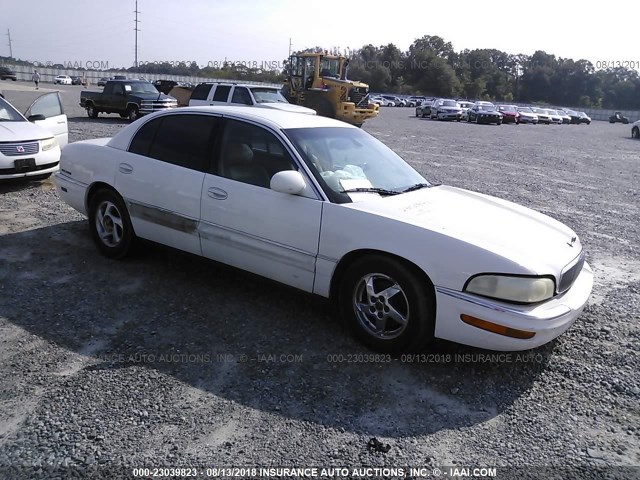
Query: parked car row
[(487, 112), (7, 74)]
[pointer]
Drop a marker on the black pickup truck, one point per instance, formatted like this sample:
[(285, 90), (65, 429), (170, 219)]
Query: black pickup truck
[(129, 98)]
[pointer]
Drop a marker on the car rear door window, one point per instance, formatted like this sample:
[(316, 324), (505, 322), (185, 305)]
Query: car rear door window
[(222, 93), (183, 140), (141, 143)]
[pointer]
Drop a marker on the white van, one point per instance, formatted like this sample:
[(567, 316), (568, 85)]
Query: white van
[(242, 94)]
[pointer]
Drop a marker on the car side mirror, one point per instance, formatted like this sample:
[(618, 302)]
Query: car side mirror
[(288, 181), (36, 117)]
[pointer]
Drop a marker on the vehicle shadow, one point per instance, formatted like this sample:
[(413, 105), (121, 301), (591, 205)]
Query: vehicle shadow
[(18, 184), (242, 338)]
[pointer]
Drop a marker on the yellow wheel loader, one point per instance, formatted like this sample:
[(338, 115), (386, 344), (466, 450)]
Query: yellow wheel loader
[(319, 81)]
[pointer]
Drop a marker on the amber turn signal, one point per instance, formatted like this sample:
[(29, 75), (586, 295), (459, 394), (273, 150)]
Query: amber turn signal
[(499, 329)]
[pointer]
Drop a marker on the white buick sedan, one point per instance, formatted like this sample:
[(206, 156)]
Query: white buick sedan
[(323, 206)]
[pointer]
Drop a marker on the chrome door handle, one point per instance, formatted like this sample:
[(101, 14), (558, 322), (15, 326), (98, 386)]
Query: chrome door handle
[(125, 168), (217, 193)]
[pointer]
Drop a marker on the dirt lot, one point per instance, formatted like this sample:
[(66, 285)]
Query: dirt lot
[(166, 359)]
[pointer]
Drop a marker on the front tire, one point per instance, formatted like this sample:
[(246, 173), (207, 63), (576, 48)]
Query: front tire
[(635, 133), (389, 307), (133, 113), (110, 224)]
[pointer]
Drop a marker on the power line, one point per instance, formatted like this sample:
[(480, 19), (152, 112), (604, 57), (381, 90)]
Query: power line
[(136, 29), (10, 48)]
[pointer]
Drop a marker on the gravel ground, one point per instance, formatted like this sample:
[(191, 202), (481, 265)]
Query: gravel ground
[(167, 359)]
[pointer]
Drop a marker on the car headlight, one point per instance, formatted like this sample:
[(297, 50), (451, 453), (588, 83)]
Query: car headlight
[(49, 143), (512, 289)]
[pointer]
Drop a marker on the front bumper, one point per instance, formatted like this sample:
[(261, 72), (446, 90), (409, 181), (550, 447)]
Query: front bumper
[(348, 112), (528, 120), (547, 320), (489, 119), (449, 115), (44, 163), (146, 108)]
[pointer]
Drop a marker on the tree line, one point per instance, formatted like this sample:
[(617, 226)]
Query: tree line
[(432, 67)]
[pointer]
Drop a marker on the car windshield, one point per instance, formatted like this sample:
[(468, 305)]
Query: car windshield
[(347, 158), (268, 95), (525, 109), (450, 103), (551, 112), (8, 113), (140, 87), (537, 110), (486, 107), (506, 108), (571, 112)]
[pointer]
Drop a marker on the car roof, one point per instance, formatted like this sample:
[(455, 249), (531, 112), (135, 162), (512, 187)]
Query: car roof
[(269, 117), (237, 84)]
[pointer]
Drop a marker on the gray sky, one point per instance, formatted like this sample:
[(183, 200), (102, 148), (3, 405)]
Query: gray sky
[(210, 31)]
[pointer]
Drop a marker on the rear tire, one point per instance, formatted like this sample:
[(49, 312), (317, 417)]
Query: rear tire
[(635, 133), (110, 224), (91, 111), (389, 306)]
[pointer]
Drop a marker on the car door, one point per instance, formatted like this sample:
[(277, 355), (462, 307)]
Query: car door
[(50, 107), (118, 99), (161, 175), (246, 224)]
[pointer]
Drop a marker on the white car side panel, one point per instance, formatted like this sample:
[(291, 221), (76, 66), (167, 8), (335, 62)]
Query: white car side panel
[(257, 229), (346, 229), (163, 199)]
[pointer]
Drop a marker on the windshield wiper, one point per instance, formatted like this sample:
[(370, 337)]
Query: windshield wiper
[(381, 191), (417, 186)]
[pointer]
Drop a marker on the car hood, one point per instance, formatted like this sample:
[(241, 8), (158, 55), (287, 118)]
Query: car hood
[(151, 96), (22, 131), (489, 112), (287, 107), (523, 235), (448, 109)]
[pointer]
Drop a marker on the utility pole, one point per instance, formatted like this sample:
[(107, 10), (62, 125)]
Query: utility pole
[(136, 29), (10, 49), (289, 47)]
